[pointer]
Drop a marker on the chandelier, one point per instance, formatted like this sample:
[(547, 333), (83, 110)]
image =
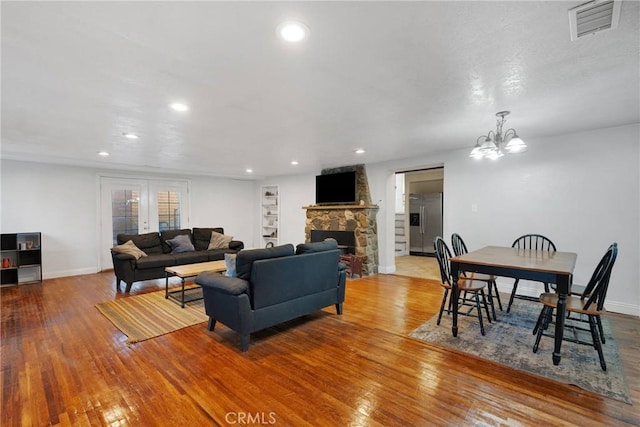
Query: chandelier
[(494, 143)]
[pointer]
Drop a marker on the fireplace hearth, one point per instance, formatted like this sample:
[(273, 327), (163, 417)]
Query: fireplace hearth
[(346, 239)]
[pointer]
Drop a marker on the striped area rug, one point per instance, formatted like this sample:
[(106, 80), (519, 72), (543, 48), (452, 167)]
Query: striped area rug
[(150, 315)]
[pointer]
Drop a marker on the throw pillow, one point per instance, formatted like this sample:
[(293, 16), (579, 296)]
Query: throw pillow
[(129, 248), (181, 243), (219, 241), (230, 262)]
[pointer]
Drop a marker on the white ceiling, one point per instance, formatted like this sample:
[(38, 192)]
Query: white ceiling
[(399, 79)]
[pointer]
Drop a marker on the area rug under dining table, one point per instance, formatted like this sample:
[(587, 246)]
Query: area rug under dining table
[(509, 341), (145, 316)]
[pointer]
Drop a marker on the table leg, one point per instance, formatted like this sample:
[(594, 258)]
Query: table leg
[(182, 292), (455, 274), (563, 286), (166, 285)]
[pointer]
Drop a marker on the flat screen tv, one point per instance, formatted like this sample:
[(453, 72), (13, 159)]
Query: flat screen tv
[(336, 188)]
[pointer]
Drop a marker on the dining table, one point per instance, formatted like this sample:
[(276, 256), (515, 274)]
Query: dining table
[(525, 264)]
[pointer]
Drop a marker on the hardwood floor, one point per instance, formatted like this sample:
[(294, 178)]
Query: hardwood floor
[(417, 266), (63, 363)]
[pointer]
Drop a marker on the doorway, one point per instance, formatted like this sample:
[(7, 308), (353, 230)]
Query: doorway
[(136, 206), (419, 218)]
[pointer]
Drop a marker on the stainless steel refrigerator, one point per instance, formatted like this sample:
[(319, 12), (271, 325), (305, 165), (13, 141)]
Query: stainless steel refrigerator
[(425, 222)]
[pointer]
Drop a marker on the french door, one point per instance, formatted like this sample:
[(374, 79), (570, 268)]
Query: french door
[(134, 206)]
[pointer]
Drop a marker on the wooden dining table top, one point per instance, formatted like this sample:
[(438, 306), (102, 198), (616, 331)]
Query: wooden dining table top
[(524, 259)]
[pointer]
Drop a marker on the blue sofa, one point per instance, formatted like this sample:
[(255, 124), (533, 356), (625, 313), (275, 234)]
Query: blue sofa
[(274, 285)]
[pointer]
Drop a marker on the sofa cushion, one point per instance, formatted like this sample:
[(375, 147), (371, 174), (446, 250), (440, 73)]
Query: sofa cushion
[(180, 244), (155, 261), (219, 241), (245, 258), (170, 234), (150, 243), (129, 248), (202, 237), (307, 248), (230, 263), (190, 257)]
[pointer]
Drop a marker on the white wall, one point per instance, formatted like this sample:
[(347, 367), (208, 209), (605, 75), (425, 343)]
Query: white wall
[(62, 203), (581, 190)]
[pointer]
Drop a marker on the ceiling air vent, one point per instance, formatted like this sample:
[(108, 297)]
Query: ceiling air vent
[(593, 17)]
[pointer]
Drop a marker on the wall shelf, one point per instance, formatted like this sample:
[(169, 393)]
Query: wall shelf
[(270, 214)]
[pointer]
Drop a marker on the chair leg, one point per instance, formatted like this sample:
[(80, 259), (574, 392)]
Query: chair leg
[(538, 322), (596, 341), (486, 307), (497, 294), (444, 299), (602, 339), (546, 287), (513, 294), (493, 310), (480, 313), (543, 318)]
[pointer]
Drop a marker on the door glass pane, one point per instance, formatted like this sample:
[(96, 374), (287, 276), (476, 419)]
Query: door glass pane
[(124, 212), (168, 210)]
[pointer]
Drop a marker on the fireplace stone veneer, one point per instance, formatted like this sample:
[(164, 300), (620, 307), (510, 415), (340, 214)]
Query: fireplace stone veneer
[(361, 219)]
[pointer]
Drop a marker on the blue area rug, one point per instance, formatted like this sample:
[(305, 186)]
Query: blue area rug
[(509, 341)]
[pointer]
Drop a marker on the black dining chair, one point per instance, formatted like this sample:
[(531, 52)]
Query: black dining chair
[(588, 307), (533, 242), (460, 248), (470, 290)]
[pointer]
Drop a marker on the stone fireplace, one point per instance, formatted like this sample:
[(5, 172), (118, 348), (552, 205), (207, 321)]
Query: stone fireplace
[(359, 219)]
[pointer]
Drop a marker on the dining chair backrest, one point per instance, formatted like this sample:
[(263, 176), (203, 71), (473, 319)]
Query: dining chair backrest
[(596, 290), (443, 254), (536, 242), (459, 248)]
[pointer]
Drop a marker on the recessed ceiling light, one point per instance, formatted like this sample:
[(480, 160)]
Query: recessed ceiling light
[(177, 106), (293, 31), (360, 151), (294, 162), (103, 153), (249, 171), (130, 135)]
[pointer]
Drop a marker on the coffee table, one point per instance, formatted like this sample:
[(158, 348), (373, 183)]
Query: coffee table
[(189, 270)]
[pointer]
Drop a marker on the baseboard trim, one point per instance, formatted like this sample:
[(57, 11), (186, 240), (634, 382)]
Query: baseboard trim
[(389, 269), (67, 273)]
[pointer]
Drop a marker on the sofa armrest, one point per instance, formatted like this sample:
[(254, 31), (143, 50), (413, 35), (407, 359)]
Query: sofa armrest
[(122, 257), (236, 245), (222, 284)]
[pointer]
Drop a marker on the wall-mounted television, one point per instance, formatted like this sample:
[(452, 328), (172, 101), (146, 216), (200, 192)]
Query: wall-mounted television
[(336, 188)]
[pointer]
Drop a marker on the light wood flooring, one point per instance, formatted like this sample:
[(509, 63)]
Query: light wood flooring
[(63, 363), (417, 266)]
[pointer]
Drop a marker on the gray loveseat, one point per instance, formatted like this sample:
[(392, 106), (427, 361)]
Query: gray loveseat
[(273, 286), (159, 256)]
